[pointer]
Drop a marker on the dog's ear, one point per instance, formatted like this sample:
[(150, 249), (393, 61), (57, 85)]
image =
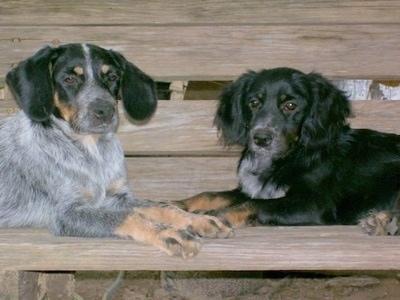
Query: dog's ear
[(137, 90), (328, 112), (233, 115), (31, 84)]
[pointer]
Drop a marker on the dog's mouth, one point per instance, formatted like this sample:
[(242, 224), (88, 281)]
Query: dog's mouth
[(103, 118), (95, 122)]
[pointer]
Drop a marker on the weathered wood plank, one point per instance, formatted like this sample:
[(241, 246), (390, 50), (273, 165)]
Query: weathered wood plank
[(223, 52), (377, 115), (175, 178), (185, 127), (95, 12), (271, 248)]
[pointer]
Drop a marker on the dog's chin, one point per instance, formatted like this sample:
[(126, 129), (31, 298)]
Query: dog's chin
[(260, 149), (87, 126), (98, 129)]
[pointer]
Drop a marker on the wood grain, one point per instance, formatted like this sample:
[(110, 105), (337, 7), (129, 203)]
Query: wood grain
[(176, 178), (186, 127), (95, 12), (268, 248), (205, 52)]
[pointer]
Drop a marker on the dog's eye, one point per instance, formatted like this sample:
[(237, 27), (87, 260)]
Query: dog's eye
[(70, 79), (112, 77), (255, 103), (290, 106)]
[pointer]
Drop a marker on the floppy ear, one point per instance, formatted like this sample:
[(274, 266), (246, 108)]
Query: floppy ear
[(30, 82), (137, 90), (328, 112), (233, 115)]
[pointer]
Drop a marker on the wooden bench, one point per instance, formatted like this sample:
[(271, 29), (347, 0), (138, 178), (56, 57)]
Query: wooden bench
[(177, 153)]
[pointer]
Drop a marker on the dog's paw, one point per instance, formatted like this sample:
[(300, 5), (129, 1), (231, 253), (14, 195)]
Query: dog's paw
[(381, 223), (184, 243), (171, 229), (210, 227), (174, 240)]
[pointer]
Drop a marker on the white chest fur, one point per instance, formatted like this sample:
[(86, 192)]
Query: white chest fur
[(254, 180)]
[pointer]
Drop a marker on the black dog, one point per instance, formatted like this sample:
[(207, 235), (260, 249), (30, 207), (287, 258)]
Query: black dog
[(302, 164)]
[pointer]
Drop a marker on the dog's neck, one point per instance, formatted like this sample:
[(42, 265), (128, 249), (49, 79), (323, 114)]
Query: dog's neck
[(255, 179)]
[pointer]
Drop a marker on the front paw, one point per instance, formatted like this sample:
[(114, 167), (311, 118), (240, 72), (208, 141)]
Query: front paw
[(237, 216), (210, 227), (175, 241), (381, 223)]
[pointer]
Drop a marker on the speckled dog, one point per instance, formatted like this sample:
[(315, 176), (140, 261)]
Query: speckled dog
[(62, 166)]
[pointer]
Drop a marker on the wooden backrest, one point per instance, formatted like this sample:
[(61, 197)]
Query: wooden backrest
[(177, 153)]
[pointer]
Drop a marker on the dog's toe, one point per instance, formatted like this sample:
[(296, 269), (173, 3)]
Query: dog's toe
[(381, 223), (184, 243)]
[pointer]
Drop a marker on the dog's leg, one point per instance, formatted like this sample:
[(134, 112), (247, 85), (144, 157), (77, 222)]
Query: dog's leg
[(203, 225), (204, 202), (382, 223), (232, 206), (167, 227)]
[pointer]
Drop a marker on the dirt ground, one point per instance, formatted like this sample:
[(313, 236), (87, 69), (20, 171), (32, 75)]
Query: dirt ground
[(271, 285)]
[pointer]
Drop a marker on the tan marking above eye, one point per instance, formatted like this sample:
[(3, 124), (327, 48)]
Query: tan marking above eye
[(260, 95), (105, 69), (78, 70), (283, 97)]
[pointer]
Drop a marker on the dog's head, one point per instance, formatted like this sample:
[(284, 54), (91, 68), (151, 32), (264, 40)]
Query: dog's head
[(80, 83), (271, 110)]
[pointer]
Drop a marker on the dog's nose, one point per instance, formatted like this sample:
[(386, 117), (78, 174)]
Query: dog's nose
[(103, 111), (262, 138)]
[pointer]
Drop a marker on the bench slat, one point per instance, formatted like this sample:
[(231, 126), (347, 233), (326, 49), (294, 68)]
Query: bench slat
[(175, 178), (206, 52), (271, 248), (94, 12), (185, 127)]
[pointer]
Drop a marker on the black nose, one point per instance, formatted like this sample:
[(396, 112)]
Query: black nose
[(103, 111), (262, 138)]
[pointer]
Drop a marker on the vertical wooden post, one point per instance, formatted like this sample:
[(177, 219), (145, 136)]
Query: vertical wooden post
[(178, 89), (24, 285)]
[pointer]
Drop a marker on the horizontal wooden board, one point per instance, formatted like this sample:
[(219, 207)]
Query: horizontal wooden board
[(270, 248), (176, 178), (206, 52), (94, 12), (186, 127)]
